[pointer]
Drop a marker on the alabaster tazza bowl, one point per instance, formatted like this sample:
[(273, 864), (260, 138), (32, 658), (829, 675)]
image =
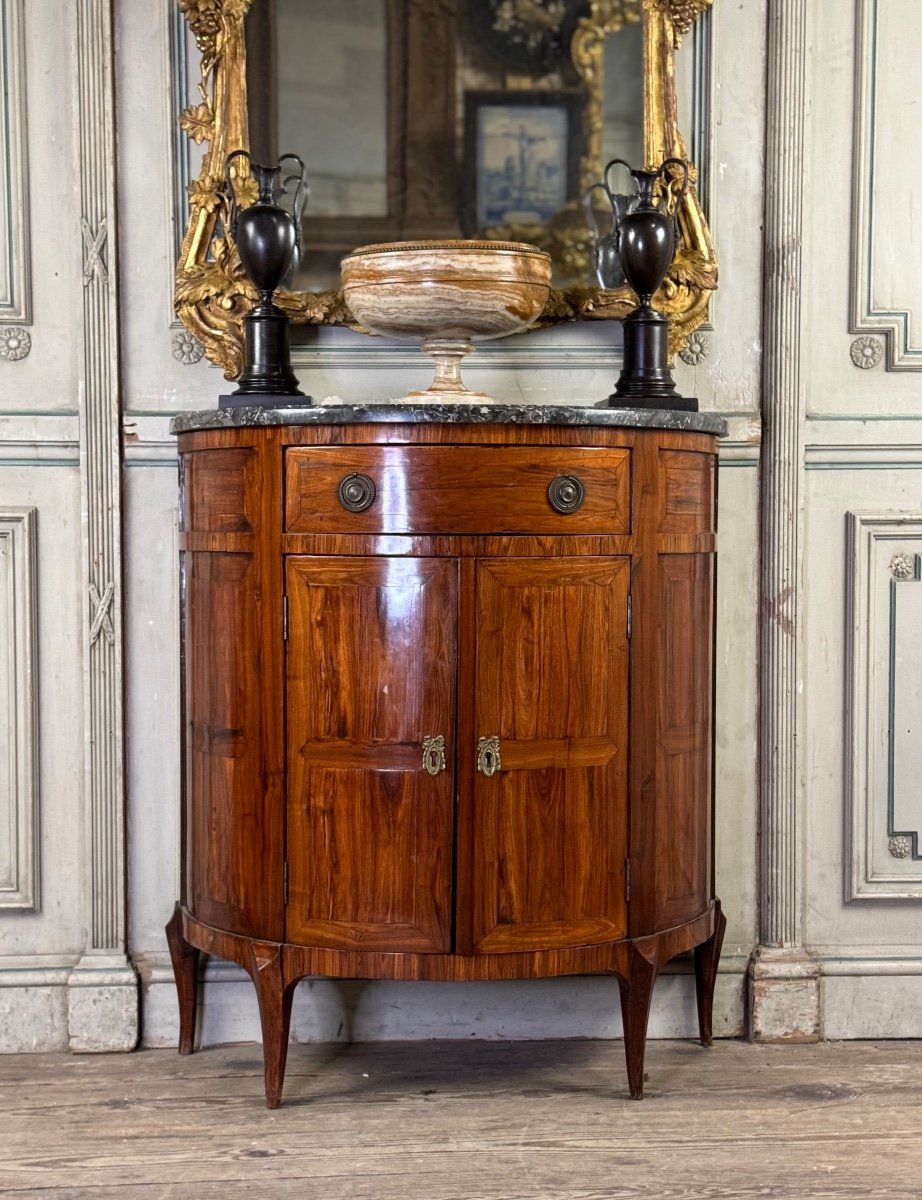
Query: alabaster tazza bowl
[(446, 295)]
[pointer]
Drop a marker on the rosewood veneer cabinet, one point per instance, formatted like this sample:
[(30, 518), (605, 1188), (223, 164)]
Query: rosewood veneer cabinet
[(447, 700)]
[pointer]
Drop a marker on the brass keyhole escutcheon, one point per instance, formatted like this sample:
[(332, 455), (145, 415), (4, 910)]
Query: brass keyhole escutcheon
[(434, 754), (488, 757), (566, 493)]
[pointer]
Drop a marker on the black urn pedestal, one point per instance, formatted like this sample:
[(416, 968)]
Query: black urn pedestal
[(267, 375), (646, 380)]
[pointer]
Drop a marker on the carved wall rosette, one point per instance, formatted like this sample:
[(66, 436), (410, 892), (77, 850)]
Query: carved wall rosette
[(213, 294)]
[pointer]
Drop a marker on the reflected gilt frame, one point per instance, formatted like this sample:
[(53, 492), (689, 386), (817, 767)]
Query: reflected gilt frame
[(212, 292)]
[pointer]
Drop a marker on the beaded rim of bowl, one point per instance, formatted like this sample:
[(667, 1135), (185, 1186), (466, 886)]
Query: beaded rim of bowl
[(454, 246)]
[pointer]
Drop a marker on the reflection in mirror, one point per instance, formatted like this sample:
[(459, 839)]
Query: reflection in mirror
[(622, 96), (466, 118), (332, 101)]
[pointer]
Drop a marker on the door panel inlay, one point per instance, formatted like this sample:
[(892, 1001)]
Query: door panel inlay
[(371, 669), (549, 828)]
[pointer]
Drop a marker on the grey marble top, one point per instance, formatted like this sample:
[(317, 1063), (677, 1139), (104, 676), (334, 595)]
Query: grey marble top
[(451, 414)]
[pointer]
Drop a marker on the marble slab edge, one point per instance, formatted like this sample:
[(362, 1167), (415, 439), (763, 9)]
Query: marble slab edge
[(451, 414)]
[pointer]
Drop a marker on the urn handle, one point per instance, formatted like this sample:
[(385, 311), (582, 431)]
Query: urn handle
[(566, 493), (434, 754), (298, 204), (488, 756), (645, 181), (357, 492), (683, 165)]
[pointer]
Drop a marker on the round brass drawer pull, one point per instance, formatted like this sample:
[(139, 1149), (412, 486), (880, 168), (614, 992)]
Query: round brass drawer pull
[(566, 493), (357, 492)]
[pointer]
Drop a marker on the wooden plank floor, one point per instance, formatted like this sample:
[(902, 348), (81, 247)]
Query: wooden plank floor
[(467, 1121)]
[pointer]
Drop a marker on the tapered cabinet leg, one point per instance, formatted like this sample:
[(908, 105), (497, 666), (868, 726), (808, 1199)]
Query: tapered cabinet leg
[(185, 959), (707, 958), (274, 1014), (636, 994)]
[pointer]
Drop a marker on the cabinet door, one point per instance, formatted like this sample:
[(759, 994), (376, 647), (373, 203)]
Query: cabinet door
[(371, 669), (547, 831)]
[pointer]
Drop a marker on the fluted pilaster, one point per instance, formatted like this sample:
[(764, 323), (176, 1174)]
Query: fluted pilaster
[(782, 474), (102, 994), (101, 470), (785, 994)]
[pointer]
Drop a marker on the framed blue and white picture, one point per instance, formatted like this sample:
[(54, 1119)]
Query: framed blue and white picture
[(522, 152)]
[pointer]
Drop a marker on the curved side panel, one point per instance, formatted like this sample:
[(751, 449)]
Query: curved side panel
[(232, 839), (683, 819)]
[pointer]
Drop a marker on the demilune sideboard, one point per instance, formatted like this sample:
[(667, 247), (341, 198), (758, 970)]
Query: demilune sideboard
[(447, 700)]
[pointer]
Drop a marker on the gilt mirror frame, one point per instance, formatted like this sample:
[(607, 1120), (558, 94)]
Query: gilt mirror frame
[(213, 294)]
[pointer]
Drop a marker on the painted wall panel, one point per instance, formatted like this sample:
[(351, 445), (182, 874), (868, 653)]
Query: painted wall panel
[(859, 899), (19, 798), (51, 933), (883, 749), (863, 483), (886, 242), (863, 295), (15, 250), (39, 282)]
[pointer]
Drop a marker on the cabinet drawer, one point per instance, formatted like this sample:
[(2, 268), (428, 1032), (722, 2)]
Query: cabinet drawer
[(457, 489)]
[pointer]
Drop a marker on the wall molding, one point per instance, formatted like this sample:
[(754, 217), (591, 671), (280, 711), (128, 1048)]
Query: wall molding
[(857, 456), (367, 353), (16, 258), (19, 793), (873, 871), (868, 960), (866, 317)]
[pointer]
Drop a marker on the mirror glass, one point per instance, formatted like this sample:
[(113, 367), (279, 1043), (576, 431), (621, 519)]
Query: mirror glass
[(445, 119), (332, 101)]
